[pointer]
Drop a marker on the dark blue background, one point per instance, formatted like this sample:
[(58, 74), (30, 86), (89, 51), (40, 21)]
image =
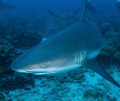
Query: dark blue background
[(37, 8)]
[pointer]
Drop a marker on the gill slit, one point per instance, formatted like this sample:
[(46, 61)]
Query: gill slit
[(80, 56)]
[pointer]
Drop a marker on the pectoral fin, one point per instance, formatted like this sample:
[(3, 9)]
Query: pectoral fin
[(93, 65)]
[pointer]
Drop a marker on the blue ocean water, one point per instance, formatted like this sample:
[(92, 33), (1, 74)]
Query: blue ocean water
[(34, 9), (29, 23)]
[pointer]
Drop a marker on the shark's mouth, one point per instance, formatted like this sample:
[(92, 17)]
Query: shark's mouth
[(34, 72), (21, 71), (50, 70)]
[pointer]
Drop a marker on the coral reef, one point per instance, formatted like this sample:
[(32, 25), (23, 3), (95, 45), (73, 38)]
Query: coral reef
[(7, 54), (16, 82), (110, 45), (16, 25), (77, 74), (2, 96), (21, 33), (91, 93), (26, 40)]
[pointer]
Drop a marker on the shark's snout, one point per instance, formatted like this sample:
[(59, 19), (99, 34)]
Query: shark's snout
[(14, 67), (17, 66)]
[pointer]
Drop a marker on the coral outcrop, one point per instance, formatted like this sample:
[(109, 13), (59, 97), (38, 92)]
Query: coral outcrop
[(7, 54)]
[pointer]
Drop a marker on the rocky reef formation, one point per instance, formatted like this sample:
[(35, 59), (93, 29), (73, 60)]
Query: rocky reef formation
[(110, 52), (7, 54), (16, 82), (21, 33), (26, 40)]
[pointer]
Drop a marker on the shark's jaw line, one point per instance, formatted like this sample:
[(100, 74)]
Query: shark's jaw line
[(51, 70)]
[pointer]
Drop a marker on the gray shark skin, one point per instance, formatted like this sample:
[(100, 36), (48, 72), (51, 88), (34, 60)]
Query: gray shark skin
[(5, 6), (71, 48)]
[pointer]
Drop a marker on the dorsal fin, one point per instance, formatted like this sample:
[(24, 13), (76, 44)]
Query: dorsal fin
[(84, 11), (64, 23), (75, 12)]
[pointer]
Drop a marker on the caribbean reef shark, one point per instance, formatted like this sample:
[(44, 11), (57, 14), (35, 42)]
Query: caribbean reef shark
[(91, 7), (71, 48), (66, 19), (5, 6)]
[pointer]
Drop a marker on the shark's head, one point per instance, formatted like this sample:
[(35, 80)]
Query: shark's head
[(25, 64), (47, 67), (22, 66)]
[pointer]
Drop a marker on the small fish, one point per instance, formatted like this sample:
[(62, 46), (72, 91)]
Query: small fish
[(71, 48)]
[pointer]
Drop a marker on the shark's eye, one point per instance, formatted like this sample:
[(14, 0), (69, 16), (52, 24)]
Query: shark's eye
[(40, 66)]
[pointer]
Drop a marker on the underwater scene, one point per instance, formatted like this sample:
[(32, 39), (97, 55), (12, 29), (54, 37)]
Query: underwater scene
[(59, 50)]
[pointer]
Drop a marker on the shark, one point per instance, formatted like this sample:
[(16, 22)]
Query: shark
[(91, 7), (67, 19), (63, 22), (73, 47), (118, 5), (5, 6)]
